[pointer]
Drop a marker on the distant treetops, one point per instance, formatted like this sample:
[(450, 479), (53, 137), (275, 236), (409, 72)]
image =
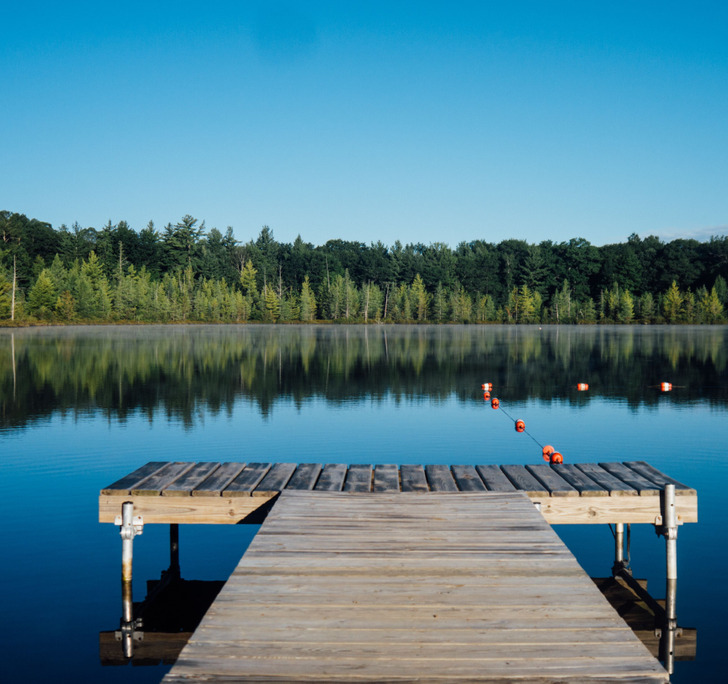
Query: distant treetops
[(187, 273)]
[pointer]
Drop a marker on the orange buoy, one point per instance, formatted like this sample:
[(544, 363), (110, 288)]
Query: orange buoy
[(556, 457), (487, 386), (666, 386), (494, 403), (520, 426), (582, 387), (547, 451), (486, 395)]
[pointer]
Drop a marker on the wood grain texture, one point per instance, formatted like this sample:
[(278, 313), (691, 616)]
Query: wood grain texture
[(305, 476), (440, 478), (275, 479), (386, 478), (398, 586), (413, 478), (183, 509), (164, 477), (565, 492), (248, 479), (551, 479), (659, 478), (612, 484), (585, 485), (495, 479), (523, 480), (331, 478), (195, 476), (467, 479), (358, 478), (643, 486), (215, 483), (134, 479)]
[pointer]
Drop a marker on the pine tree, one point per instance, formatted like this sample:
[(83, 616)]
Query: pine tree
[(439, 304), (5, 296), (672, 303), (307, 302), (647, 308), (272, 305), (42, 296), (66, 306), (709, 306), (625, 312), (420, 298)]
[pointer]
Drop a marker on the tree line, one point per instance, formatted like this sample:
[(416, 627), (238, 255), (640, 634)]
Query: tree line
[(188, 273)]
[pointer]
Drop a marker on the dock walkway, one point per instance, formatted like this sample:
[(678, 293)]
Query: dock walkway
[(453, 586)]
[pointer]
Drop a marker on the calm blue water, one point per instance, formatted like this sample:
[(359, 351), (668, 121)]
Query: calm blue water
[(80, 408)]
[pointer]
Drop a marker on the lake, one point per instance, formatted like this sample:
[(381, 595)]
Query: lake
[(82, 406)]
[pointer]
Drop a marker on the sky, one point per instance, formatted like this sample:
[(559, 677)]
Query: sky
[(370, 121)]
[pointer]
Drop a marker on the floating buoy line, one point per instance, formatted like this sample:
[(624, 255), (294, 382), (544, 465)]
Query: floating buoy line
[(550, 455)]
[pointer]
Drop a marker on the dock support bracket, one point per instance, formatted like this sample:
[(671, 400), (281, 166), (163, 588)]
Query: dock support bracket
[(129, 527)]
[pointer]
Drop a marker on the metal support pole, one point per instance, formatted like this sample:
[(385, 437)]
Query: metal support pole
[(618, 548), (129, 527), (669, 530), (670, 631), (669, 517)]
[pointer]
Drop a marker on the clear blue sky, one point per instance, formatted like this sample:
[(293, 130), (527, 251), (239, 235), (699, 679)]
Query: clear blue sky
[(418, 121)]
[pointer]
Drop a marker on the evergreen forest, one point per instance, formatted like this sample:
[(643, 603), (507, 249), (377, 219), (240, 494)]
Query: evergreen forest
[(187, 273)]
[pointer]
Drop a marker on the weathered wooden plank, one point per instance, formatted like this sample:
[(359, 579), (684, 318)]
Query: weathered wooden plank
[(386, 478), (413, 478), (195, 476), (305, 476), (659, 478), (494, 478), (248, 479), (134, 479), (523, 480), (643, 486), (440, 478), (579, 480), (154, 484), (215, 484), (403, 587), (602, 509), (467, 479), (332, 478), (556, 485), (358, 478), (613, 485), (183, 509), (275, 479)]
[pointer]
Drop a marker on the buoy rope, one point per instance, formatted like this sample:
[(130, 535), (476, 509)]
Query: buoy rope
[(525, 432)]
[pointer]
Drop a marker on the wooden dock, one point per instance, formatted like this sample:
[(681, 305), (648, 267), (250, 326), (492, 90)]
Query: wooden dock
[(208, 492), (453, 586)]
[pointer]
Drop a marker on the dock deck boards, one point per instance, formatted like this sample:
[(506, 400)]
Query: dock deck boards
[(397, 586), (229, 492)]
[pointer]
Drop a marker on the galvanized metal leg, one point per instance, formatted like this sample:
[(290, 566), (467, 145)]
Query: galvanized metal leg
[(129, 527), (621, 561), (669, 530)]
